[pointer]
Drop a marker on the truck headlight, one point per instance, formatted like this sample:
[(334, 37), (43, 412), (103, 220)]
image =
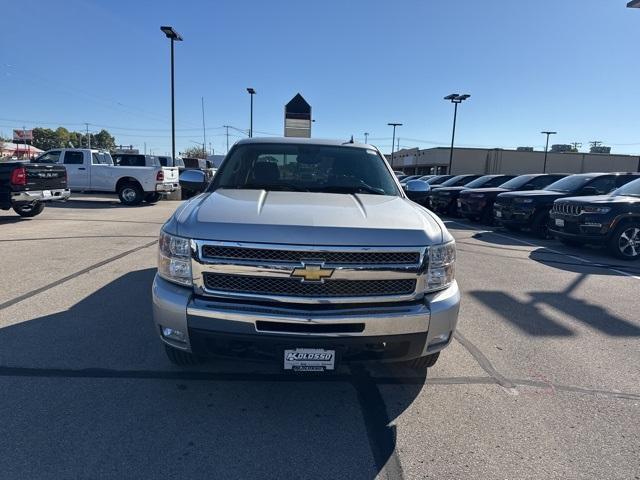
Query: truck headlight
[(441, 271), (174, 259)]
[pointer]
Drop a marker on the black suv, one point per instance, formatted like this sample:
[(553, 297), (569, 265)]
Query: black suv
[(516, 210), (457, 181), (612, 220), (477, 204), (445, 199)]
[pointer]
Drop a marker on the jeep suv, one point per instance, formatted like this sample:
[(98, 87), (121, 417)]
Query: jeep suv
[(612, 220), (308, 253), (445, 200), (516, 210), (477, 204)]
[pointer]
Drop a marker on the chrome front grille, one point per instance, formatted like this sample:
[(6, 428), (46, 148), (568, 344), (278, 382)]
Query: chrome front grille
[(285, 273), (297, 256), (293, 287), (567, 208)]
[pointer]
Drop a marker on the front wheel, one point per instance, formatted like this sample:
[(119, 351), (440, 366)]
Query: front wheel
[(131, 194), (152, 197), (625, 241), (28, 209)]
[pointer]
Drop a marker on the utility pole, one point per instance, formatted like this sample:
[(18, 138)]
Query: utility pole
[(393, 140), (210, 149), (398, 144), (88, 135), (227, 127), (145, 148), (366, 137), (595, 143), (204, 131), (24, 138), (576, 145), (546, 149)]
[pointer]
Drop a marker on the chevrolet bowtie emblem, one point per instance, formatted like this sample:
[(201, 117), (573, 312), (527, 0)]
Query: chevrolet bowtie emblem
[(312, 273)]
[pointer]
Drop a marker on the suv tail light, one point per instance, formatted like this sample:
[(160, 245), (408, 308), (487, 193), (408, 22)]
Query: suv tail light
[(19, 176), (160, 176)]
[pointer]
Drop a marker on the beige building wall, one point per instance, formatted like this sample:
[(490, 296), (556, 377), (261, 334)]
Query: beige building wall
[(480, 160)]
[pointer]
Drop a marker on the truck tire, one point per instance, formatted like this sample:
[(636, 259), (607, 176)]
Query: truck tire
[(28, 209), (624, 242), (181, 358), (422, 363), (130, 194), (152, 197)]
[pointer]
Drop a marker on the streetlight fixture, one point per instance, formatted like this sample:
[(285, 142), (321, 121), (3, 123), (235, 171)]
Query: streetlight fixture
[(174, 37), (252, 92), (393, 142), (455, 99), (546, 148)]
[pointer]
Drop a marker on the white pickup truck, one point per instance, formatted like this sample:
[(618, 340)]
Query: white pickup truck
[(94, 171)]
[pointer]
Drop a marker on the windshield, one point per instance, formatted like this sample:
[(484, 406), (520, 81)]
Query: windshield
[(307, 168), (459, 180), (517, 182), (569, 184), (631, 189), (438, 179), (487, 181)]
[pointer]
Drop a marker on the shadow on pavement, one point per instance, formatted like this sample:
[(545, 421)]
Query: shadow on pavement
[(529, 317), (92, 395)]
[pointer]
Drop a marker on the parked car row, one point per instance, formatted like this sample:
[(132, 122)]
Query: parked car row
[(588, 208)]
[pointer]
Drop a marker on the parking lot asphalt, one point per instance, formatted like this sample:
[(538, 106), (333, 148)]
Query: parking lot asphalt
[(542, 380)]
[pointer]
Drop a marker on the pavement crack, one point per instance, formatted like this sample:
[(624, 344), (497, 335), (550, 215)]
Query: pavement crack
[(483, 361)]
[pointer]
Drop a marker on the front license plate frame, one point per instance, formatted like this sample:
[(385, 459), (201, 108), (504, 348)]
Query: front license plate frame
[(309, 359), (560, 222)]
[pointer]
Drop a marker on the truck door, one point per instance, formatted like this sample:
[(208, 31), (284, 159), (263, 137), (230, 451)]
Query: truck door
[(77, 170)]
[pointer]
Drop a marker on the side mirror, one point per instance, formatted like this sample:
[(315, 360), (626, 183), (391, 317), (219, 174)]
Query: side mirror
[(417, 190), (589, 191), (193, 180)]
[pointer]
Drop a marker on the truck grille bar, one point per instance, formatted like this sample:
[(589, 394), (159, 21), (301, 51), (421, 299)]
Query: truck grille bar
[(285, 273), (297, 256), (293, 287)]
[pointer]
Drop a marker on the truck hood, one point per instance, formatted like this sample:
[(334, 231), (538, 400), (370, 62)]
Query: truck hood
[(306, 218), (492, 190)]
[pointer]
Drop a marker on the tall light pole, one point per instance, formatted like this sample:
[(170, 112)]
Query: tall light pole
[(455, 99), (366, 136), (174, 37), (546, 148), (393, 141), (252, 92)]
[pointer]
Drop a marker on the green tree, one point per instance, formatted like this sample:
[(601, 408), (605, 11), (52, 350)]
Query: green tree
[(194, 152), (103, 140), (62, 137), (44, 139)]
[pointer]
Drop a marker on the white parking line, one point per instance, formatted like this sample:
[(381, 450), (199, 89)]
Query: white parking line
[(558, 252)]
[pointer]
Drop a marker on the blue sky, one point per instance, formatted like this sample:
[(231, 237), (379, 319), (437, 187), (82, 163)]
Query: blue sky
[(566, 65)]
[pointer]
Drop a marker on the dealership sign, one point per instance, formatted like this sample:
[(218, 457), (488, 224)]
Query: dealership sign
[(22, 135)]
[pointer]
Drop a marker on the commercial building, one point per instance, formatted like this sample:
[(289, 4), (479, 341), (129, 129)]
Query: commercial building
[(497, 160)]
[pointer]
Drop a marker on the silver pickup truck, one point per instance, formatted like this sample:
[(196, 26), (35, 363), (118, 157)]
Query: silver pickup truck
[(309, 253)]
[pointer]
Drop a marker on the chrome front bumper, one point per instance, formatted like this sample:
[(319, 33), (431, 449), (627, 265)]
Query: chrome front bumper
[(41, 195), (177, 308)]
